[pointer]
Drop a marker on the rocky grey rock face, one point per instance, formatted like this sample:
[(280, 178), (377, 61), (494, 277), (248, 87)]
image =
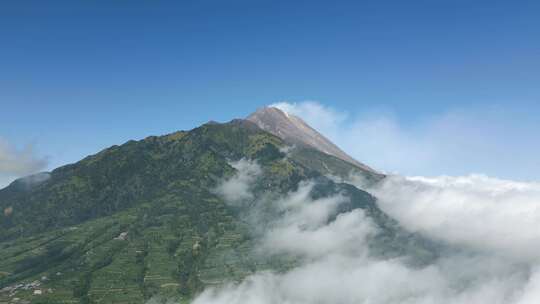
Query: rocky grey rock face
[(293, 130)]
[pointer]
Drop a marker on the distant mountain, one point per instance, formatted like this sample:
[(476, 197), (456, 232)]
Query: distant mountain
[(143, 219), (293, 130)]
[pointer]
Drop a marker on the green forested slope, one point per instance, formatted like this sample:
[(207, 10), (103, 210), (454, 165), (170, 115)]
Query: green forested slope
[(142, 219)]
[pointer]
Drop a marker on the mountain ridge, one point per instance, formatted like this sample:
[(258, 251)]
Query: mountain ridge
[(294, 130), (143, 220)]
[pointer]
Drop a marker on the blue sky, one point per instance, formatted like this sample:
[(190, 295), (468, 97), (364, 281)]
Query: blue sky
[(78, 76)]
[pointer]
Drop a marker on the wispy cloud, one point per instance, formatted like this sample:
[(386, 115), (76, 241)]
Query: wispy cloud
[(15, 163), (304, 228), (495, 141), (237, 188)]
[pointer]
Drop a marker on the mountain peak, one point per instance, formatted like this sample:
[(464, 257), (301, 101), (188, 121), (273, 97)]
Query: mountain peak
[(293, 130)]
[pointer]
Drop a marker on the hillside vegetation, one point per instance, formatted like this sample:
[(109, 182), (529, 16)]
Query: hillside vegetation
[(143, 220)]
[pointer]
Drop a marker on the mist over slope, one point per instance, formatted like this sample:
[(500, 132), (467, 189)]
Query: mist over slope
[(18, 162), (233, 213), (489, 226), (167, 217), (477, 211)]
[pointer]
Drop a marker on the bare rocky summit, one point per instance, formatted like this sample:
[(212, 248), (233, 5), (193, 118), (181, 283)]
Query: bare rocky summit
[(293, 130)]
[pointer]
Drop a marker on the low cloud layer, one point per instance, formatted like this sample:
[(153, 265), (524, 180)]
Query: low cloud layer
[(489, 214), (15, 163), (303, 229), (489, 226), (495, 141)]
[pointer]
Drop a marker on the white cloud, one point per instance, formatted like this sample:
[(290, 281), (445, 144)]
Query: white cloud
[(15, 163), (304, 227), (345, 280), (316, 114), (531, 292), (237, 188), (495, 141), (490, 214), (489, 223)]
